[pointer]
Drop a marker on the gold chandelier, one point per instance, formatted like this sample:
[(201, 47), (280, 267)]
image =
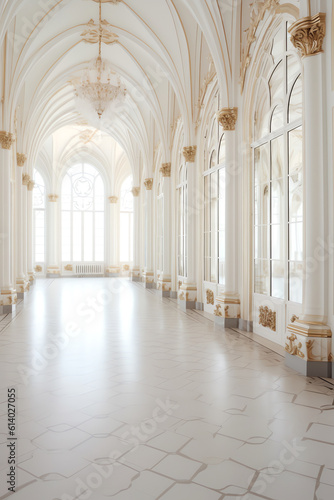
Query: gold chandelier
[(100, 87)]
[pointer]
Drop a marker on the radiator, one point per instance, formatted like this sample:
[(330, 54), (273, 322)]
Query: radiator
[(89, 269)]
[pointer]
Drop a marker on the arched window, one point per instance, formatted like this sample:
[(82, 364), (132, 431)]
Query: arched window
[(182, 193), (278, 173), (214, 200), (126, 221), (83, 222), (39, 205)]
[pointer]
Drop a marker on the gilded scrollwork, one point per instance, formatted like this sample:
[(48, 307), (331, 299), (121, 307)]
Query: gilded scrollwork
[(293, 348), (210, 298), (267, 318)]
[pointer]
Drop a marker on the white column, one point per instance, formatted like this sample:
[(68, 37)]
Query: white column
[(22, 281), (187, 296), (227, 311), (148, 276), (113, 269), (53, 270), (135, 271), (165, 279), (309, 344), (30, 260), (8, 297)]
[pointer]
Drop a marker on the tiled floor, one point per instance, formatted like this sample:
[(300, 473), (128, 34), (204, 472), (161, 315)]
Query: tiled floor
[(121, 395)]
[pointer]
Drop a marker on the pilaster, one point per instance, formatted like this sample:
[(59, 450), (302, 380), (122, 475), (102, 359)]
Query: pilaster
[(148, 274), (135, 270), (53, 269), (113, 270), (165, 280)]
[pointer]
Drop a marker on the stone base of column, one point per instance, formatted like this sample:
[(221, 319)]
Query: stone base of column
[(113, 272), (187, 296), (22, 288), (135, 274), (164, 285), (148, 279), (53, 272), (8, 301), (309, 348), (32, 278), (227, 311)]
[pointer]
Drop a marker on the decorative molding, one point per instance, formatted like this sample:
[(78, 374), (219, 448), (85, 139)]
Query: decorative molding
[(218, 310), (148, 184), (6, 140), (69, 267), (210, 297), (294, 318), (53, 198), (113, 199), (166, 169), (293, 348), (227, 117), (258, 11), (308, 33), (31, 185), (25, 179), (21, 159), (267, 318), (38, 269), (135, 191), (190, 153)]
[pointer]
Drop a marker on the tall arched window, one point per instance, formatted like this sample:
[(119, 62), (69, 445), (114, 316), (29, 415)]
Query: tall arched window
[(278, 173), (83, 223), (39, 205), (126, 221)]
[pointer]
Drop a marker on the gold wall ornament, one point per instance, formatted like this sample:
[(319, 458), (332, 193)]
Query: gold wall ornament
[(53, 198), (166, 169), (190, 153), (210, 298), (308, 33), (227, 117), (6, 140), (309, 350), (218, 310), (69, 267), (148, 184), (38, 269), (135, 191), (226, 311), (31, 185), (126, 267), (267, 318), (258, 11), (293, 348), (294, 318), (21, 159), (113, 199), (25, 179)]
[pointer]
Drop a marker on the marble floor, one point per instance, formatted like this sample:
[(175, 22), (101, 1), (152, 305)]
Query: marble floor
[(121, 395)]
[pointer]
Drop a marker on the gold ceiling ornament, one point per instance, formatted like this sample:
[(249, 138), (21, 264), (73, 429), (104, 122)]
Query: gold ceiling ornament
[(21, 159), (135, 191), (6, 140), (148, 184), (100, 87), (53, 198), (190, 153), (166, 169), (267, 318), (227, 117), (25, 179), (308, 33), (113, 199), (31, 185), (259, 8)]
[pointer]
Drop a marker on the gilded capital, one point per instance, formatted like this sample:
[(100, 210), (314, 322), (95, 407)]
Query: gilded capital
[(6, 140), (227, 117), (148, 184), (25, 179), (136, 191), (53, 198), (113, 199), (308, 33), (31, 185), (21, 159), (166, 169), (190, 153)]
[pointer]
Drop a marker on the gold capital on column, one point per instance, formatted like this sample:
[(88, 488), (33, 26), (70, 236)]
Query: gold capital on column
[(166, 169), (190, 153), (6, 140), (308, 33), (25, 179), (148, 184), (31, 185), (227, 117), (113, 199), (21, 159), (53, 198), (136, 191)]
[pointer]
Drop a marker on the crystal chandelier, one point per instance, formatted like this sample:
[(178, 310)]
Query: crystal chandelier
[(100, 88)]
